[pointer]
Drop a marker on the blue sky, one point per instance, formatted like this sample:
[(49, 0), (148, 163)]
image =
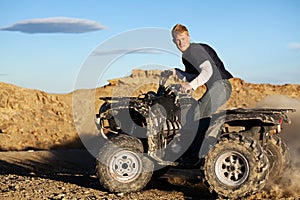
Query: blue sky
[(259, 40)]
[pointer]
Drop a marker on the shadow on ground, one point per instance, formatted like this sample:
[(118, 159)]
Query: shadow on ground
[(77, 166), (73, 166)]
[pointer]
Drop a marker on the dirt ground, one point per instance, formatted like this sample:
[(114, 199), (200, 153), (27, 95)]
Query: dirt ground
[(70, 174)]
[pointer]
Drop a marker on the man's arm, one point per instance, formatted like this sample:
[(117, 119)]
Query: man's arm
[(204, 76)]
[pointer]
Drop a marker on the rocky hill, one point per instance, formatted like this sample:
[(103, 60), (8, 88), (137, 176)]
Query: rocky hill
[(33, 119)]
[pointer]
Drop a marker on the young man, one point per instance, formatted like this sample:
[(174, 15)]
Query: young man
[(202, 67)]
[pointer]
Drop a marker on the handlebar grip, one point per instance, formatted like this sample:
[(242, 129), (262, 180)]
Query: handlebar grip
[(166, 73)]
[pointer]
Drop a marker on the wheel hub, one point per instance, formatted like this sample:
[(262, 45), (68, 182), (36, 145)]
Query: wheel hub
[(232, 168), (125, 166)]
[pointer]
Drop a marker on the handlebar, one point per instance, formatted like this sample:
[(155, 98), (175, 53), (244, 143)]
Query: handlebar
[(164, 75), (175, 87)]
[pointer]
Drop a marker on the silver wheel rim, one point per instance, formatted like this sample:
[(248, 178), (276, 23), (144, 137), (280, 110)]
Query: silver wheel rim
[(125, 166), (232, 168)]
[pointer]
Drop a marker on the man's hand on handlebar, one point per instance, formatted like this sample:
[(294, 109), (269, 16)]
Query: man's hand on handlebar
[(186, 87)]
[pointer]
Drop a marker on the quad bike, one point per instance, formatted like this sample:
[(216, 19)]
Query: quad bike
[(241, 149)]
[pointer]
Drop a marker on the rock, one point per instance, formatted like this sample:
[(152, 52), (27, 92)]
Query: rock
[(33, 119)]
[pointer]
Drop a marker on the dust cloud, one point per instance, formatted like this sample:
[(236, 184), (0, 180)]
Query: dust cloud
[(289, 184)]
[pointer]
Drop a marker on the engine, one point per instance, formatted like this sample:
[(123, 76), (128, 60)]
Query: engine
[(154, 115)]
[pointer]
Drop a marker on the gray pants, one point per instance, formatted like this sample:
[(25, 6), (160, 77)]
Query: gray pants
[(207, 105), (213, 98), (195, 119)]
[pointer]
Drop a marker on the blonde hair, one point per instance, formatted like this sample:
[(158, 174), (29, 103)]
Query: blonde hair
[(179, 28)]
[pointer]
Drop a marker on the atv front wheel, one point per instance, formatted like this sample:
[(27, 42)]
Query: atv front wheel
[(121, 165), (236, 167)]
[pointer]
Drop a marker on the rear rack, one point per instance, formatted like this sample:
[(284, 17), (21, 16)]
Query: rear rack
[(260, 110)]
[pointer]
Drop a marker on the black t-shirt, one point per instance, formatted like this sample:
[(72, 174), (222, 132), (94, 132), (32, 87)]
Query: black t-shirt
[(219, 64), (194, 56)]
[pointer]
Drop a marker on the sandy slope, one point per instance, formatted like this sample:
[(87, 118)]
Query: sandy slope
[(32, 119)]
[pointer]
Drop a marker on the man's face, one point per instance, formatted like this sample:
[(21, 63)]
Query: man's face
[(182, 41)]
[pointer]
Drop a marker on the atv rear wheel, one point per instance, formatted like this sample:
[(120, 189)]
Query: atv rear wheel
[(278, 155), (236, 167), (121, 165)]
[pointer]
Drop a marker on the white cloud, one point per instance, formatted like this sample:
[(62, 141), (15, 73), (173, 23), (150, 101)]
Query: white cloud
[(294, 46), (55, 25)]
